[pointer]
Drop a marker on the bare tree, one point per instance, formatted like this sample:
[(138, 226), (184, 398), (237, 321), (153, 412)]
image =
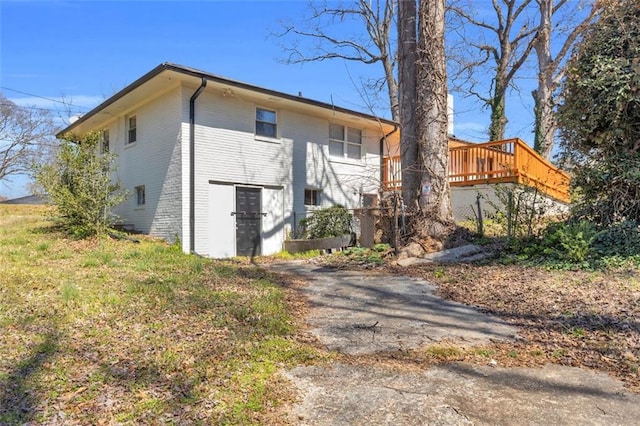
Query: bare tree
[(25, 137), (502, 42), (324, 27), (551, 69), (423, 106)]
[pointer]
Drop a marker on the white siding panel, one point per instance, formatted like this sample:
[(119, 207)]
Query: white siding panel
[(341, 181), (464, 201), (155, 162), (221, 223), (273, 222)]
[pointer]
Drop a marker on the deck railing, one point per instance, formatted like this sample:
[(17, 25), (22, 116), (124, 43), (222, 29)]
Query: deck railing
[(508, 161)]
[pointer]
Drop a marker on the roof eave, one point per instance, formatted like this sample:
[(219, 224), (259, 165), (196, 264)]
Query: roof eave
[(167, 66)]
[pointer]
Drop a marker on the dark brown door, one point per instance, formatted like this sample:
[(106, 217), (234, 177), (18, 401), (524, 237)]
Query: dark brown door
[(248, 219)]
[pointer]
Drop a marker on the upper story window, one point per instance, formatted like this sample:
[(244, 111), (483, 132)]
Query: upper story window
[(104, 141), (266, 123), (132, 129), (345, 141)]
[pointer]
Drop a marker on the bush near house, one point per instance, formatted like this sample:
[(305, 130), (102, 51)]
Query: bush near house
[(329, 222), (79, 183)]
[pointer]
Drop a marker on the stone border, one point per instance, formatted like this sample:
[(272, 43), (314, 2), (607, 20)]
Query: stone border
[(299, 246)]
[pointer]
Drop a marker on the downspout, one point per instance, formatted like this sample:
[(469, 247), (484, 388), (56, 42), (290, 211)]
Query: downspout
[(192, 164), (382, 140)]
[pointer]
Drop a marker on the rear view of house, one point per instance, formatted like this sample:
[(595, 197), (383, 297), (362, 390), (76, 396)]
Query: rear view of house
[(229, 168)]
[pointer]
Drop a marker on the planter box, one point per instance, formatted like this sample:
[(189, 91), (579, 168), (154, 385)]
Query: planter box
[(298, 246)]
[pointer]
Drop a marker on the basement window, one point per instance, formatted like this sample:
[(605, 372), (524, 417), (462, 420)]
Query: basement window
[(140, 195), (311, 197)]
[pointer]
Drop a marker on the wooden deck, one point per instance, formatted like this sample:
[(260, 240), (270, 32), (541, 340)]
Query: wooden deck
[(508, 161)]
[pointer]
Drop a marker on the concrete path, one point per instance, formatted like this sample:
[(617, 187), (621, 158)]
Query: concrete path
[(460, 394), (358, 313)]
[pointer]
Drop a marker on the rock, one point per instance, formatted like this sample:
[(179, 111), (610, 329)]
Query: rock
[(468, 253), (411, 250), (454, 254)]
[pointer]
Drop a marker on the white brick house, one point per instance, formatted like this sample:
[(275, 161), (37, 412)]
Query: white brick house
[(228, 167)]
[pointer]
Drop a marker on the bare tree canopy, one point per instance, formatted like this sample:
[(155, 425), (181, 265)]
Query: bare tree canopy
[(490, 44), (26, 137), (562, 23), (324, 28)]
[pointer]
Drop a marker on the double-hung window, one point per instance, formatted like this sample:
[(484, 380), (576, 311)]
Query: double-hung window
[(132, 129), (104, 141), (345, 141), (311, 197), (266, 123)]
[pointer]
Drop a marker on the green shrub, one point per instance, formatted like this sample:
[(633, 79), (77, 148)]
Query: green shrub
[(621, 239), (576, 239), (381, 247), (579, 244), (364, 254), (329, 222), (79, 182), (564, 241)]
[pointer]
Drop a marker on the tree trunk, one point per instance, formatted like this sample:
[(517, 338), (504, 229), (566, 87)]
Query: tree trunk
[(392, 88), (545, 120), (407, 15), (433, 147), (545, 123), (497, 102), (498, 115)]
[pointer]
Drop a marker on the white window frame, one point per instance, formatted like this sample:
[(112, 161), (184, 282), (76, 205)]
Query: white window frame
[(315, 195), (141, 196), (130, 129), (104, 141), (274, 123), (346, 140)]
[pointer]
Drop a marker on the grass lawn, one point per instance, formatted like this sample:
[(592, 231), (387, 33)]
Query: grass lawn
[(103, 331)]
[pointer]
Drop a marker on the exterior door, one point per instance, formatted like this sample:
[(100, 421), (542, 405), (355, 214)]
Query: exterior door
[(248, 219)]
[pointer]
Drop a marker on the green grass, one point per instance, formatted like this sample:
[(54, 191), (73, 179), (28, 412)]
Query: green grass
[(117, 332), (443, 352)]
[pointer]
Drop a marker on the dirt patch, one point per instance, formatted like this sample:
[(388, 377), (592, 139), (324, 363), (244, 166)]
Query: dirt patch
[(575, 318)]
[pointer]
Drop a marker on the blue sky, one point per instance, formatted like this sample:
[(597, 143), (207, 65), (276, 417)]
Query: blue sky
[(84, 51)]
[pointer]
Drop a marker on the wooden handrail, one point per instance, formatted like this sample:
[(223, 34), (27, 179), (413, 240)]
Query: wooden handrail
[(510, 160)]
